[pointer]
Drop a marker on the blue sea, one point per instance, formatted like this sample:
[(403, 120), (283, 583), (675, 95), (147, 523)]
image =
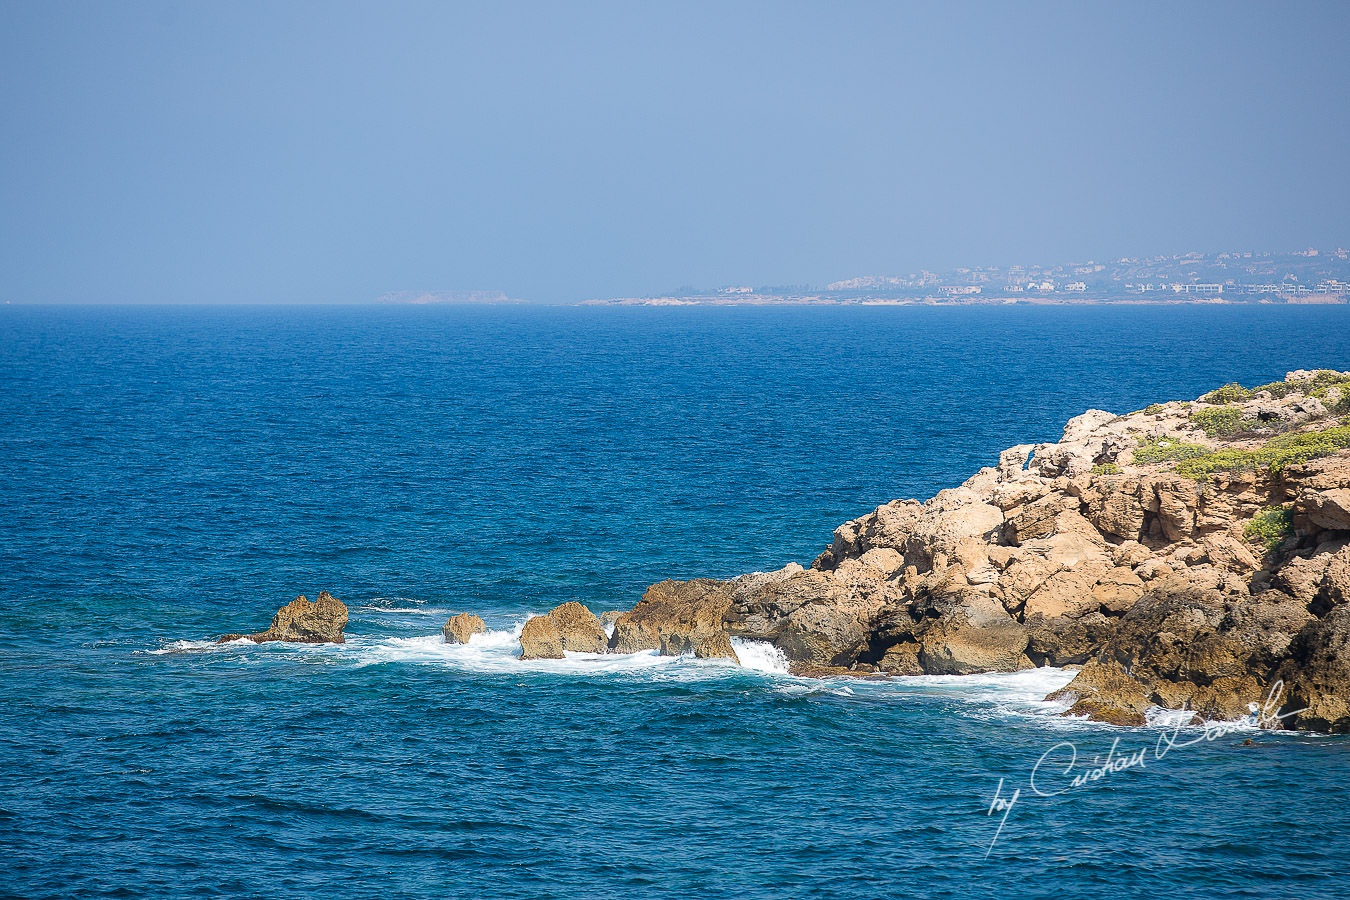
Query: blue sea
[(168, 475)]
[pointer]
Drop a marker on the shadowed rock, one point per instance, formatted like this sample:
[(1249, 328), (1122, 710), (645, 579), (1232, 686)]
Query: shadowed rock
[(1317, 675)]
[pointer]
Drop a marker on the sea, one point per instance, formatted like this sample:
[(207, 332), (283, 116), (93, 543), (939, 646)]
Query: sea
[(172, 474)]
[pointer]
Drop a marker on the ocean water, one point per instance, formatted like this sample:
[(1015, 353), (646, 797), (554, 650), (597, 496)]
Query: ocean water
[(168, 475)]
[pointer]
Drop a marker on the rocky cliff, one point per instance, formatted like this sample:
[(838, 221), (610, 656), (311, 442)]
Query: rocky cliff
[(1190, 555)]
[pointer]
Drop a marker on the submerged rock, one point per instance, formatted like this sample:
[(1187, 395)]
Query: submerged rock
[(462, 627), (1104, 692), (320, 622), (540, 639)]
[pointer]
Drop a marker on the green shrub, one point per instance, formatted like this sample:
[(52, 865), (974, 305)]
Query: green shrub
[(1153, 409), (1229, 393), (1218, 421), (1270, 527), (1279, 452), (1281, 389), (1324, 380), (1316, 386), (1310, 444), (1156, 450), (1106, 469)]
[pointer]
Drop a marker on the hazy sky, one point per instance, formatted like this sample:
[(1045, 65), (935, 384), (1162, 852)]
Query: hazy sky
[(330, 152)]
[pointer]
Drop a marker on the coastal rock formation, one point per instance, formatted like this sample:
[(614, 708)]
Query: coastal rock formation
[(462, 627), (1317, 675), (1189, 556), (578, 628), (540, 639), (319, 622), (817, 619), (678, 617)]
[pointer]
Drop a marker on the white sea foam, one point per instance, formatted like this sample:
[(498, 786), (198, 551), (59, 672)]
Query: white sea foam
[(197, 646), (1026, 686), (760, 656), (392, 602), (1158, 717), (497, 652)]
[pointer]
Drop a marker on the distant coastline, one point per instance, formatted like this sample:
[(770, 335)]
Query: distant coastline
[(1232, 278), (1310, 299)]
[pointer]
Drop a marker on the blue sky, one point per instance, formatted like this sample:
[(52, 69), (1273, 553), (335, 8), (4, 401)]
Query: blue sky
[(330, 152)]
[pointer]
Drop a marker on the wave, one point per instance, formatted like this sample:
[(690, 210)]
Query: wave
[(496, 652)]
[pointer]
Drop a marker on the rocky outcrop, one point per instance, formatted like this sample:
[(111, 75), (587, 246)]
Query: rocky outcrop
[(462, 627), (540, 639), (678, 617), (302, 621), (578, 628), (1188, 555), (1326, 509)]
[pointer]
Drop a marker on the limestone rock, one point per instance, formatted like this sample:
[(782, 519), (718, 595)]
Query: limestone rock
[(1012, 462), (320, 622), (1326, 509), (578, 628), (1319, 582), (973, 635), (1190, 647), (462, 627), (1082, 551), (901, 659), (678, 617), (1117, 591), (1229, 553), (815, 617), (540, 639), (1062, 642)]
